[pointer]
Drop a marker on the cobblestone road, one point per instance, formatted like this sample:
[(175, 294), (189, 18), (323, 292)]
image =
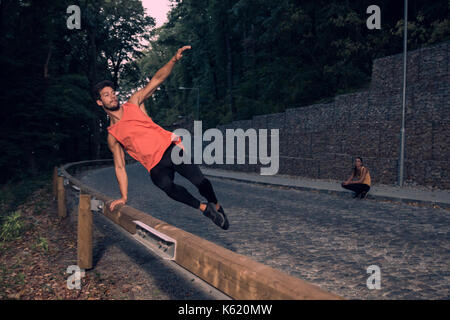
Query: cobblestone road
[(324, 239)]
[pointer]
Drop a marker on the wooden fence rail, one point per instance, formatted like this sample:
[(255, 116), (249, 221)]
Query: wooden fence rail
[(234, 274)]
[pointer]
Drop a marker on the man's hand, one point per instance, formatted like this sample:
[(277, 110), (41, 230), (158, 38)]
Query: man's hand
[(160, 76), (179, 53), (116, 202)]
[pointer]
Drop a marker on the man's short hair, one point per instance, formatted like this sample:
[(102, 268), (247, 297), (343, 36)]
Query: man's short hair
[(99, 86)]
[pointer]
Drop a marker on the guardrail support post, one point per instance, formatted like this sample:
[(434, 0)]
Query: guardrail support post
[(62, 210), (84, 232)]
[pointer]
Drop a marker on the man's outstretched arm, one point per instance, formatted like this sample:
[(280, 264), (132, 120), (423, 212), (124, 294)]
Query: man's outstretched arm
[(159, 77)]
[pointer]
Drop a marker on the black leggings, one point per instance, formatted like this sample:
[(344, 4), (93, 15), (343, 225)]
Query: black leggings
[(164, 172), (357, 187)]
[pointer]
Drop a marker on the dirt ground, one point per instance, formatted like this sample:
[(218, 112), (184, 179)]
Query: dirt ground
[(34, 266)]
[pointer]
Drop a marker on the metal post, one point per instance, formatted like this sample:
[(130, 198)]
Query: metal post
[(402, 132)]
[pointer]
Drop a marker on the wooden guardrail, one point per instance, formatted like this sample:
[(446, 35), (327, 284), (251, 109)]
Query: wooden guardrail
[(234, 274)]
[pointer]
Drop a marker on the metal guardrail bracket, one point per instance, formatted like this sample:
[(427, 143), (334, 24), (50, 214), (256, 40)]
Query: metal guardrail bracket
[(161, 244), (97, 205)]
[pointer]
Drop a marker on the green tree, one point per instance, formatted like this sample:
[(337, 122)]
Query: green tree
[(48, 116)]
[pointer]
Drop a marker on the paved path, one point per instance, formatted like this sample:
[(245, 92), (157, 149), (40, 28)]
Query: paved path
[(323, 238)]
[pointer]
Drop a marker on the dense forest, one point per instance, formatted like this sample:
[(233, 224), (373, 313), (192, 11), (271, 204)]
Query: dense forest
[(248, 57)]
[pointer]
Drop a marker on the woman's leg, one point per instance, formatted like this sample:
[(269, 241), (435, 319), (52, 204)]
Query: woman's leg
[(366, 189), (355, 187), (350, 187)]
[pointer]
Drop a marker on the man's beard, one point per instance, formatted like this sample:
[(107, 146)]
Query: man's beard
[(113, 108)]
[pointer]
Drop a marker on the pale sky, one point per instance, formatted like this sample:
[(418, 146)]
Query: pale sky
[(157, 9)]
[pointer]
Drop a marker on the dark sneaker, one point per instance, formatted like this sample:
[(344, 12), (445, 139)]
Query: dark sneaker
[(223, 212), (355, 195), (363, 194), (218, 217)]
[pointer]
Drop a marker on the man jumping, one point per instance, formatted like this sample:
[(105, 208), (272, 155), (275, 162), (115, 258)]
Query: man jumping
[(132, 130)]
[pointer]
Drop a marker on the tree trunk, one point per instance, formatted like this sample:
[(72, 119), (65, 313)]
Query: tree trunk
[(95, 147), (32, 163), (47, 61), (213, 71), (230, 77)]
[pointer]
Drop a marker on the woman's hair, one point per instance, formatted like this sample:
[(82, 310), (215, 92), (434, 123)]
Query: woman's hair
[(355, 171)]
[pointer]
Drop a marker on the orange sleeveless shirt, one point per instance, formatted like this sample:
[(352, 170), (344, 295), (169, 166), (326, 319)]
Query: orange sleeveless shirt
[(367, 179), (142, 139)]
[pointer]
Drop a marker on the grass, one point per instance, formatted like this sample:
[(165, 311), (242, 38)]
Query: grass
[(12, 226), (41, 244), (12, 195), (20, 278)]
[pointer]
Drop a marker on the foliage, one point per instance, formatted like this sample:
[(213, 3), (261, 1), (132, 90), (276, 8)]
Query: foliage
[(248, 57), (48, 116), (253, 57), (12, 226)]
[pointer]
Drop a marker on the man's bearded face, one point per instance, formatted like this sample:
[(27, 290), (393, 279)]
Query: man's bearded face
[(109, 99)]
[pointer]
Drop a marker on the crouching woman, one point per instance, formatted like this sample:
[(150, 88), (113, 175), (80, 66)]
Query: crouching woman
[(361, 185)]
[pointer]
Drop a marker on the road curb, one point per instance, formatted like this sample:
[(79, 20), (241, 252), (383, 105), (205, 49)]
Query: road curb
[(343, 193)]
